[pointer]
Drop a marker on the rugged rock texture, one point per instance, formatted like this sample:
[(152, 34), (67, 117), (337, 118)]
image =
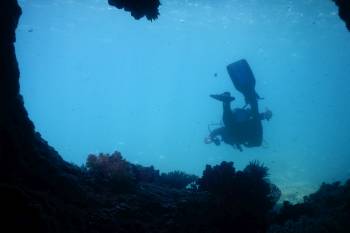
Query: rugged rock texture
[(344, 11), (21, 148), (32, 174)]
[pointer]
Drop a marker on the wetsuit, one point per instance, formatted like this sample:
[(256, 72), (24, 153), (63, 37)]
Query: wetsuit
[(241, 126)]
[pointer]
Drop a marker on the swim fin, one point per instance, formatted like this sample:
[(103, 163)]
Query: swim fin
[(224, 97), (243, 79)]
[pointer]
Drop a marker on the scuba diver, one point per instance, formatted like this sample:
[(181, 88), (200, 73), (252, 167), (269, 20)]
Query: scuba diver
[(242, 126)]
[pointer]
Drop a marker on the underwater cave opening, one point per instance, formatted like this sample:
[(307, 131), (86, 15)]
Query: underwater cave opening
[(95, 80)]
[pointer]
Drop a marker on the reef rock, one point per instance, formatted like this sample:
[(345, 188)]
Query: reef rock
[(138, 8), (344, 11), (327, 210)]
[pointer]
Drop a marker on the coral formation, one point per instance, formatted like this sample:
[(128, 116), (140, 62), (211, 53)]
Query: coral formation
[(110, 173), (176, 179), (244, 197), (105, 171)]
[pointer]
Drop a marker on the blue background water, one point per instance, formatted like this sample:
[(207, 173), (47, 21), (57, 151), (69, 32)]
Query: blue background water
[(95, 80)]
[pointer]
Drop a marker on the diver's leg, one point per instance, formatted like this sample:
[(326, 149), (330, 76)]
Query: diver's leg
[(254, 109), (227, 115), (266, 115), (254, 127), (226, 99)]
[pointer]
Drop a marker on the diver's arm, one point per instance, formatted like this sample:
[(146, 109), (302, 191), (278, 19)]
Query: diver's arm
[(263, 115), (266, 115), (216, 132), (213, 136)]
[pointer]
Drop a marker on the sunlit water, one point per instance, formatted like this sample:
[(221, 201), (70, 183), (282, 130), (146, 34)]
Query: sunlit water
[(96, 80)]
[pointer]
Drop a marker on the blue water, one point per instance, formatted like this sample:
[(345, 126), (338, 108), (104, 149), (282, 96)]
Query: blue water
[(96, 80)]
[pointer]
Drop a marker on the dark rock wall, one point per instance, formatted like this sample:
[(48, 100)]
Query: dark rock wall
[(22, 151), (31, 171), (16, 130), (327, 210)]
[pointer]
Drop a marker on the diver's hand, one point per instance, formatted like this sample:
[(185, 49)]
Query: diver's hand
[(214, 140), (267, 114), (208, 140)]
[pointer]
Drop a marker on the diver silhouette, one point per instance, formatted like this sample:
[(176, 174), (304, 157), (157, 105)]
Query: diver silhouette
[(242, 126)]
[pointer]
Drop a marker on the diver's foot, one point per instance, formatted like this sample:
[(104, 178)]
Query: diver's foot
[(224, 97), (208, 140)]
